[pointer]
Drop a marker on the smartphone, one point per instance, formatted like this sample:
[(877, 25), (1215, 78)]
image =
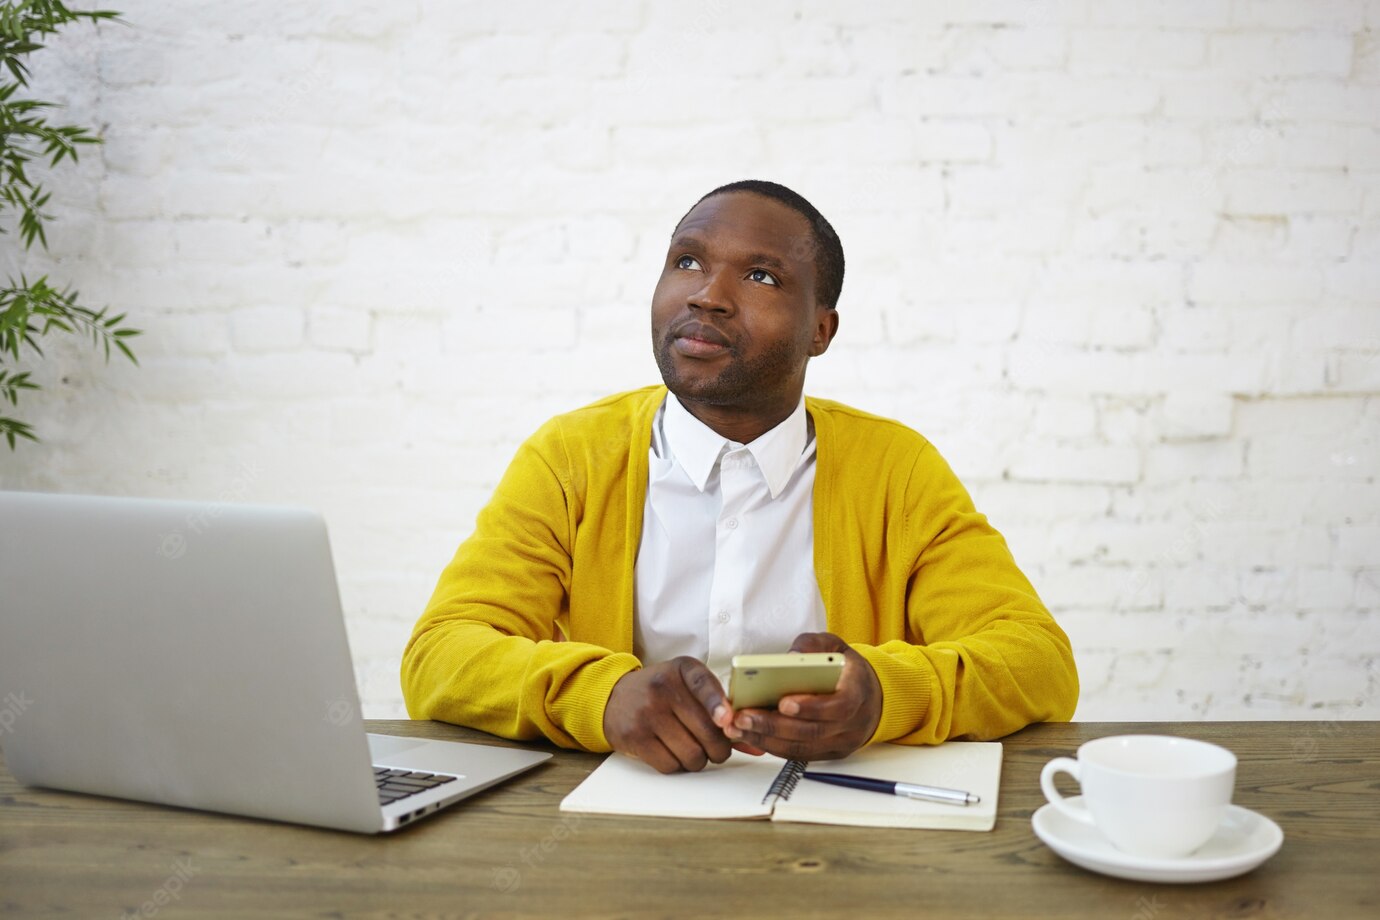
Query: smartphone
[(758, 681)]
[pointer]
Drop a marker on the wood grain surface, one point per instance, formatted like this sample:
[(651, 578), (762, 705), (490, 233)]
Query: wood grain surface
[(509, 852)]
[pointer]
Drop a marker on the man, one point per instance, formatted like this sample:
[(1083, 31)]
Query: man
[(635, 545)]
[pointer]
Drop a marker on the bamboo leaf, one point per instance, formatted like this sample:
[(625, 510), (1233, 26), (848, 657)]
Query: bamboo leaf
[(31, 311), (13, 427)]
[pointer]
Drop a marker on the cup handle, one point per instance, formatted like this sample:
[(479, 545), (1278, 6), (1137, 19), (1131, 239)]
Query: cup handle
[(1072, 768)]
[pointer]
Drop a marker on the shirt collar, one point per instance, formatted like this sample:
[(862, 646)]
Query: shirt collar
[(697, 447)]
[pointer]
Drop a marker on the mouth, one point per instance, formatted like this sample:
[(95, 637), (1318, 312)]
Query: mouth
[(699, 340)]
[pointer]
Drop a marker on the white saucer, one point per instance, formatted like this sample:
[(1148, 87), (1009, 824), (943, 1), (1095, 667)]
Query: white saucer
[(1244, 841)]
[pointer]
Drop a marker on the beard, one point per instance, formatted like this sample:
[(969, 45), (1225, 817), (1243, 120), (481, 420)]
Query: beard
[(738, 383)]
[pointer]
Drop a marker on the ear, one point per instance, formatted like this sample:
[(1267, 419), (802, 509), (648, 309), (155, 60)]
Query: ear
[(826, 327)]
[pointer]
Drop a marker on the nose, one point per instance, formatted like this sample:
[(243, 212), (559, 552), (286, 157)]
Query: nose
[(714, 295)]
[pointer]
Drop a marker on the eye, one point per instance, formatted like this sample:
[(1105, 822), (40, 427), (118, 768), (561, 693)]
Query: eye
[(688, 262), (762, 275)]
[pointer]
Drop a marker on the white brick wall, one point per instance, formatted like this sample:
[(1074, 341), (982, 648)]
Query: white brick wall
[(1120, 261)]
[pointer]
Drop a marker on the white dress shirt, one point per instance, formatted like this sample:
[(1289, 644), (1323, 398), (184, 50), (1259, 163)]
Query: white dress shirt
[(726, 563)]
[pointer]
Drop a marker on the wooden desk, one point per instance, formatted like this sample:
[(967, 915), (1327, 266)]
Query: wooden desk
[(510, 852)]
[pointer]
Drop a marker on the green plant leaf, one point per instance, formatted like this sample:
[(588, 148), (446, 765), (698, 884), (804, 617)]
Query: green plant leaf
[(31, 310), (12, 427)]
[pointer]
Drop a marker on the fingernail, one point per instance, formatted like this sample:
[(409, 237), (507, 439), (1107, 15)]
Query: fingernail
[(719, 712), (790, 707), (732, 732), (743, 722)]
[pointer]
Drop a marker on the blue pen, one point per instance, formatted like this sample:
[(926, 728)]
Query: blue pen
[(909, 790)]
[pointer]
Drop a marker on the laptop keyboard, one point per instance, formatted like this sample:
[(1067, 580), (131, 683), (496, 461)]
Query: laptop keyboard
[(396, 785)]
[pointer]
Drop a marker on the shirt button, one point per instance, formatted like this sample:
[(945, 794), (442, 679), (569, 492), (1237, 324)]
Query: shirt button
[(731, 523), (723, 616)]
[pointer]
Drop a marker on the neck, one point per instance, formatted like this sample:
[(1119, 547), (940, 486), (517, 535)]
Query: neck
[(743, 424)]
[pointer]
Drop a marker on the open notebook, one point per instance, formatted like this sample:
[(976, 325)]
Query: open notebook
[(769, 787)]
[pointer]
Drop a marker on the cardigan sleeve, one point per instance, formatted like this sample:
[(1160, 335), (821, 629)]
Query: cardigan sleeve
[(483, 652), (983, 656)]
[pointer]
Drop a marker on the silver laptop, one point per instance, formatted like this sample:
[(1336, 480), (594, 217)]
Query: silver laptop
[(195, 655)]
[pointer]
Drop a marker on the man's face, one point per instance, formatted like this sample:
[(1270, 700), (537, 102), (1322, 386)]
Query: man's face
[(734, 315)]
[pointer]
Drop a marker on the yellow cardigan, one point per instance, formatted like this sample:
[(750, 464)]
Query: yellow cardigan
[(531, 623)]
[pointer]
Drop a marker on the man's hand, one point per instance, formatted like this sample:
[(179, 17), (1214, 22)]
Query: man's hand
[(823, 726), (663, 715)]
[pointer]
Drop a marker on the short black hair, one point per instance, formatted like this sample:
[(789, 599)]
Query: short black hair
[(824, 243)]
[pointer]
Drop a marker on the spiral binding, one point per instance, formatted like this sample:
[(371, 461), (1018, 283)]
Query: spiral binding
[(785, 782)]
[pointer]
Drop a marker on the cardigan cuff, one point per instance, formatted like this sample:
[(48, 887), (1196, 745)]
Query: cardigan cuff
[(579, 708), (906, 692)]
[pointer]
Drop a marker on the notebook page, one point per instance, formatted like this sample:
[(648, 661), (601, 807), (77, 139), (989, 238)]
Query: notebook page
[(974, 766), (623, 785)]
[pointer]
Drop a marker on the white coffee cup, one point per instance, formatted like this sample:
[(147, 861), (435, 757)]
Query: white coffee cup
[(1150, 795)]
